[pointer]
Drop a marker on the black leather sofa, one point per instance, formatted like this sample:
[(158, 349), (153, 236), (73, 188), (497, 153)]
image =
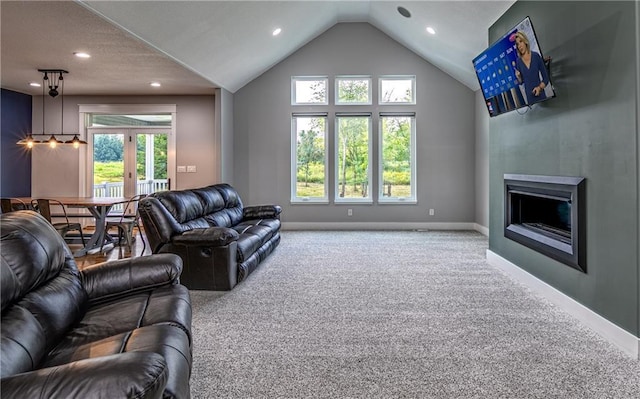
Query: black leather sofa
[(119, 329), (219, 240)]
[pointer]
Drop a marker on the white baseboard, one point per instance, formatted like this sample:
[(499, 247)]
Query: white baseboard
[(481, 229), (376, 226), (627, 342)]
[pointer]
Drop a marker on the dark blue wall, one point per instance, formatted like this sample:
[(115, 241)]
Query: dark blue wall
[(15, 160), (588, 130)]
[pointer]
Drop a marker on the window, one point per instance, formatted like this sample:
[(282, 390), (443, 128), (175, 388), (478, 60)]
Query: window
[(307, 90), (309, 158), (397, 158), (100, 120), (353, 90), (397, 90), (350, 173), (353, 155)]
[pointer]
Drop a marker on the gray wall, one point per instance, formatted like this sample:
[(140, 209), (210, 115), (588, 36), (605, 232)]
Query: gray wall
[(224, 122), (444, 119), (56, 172), (588, 130), (482, 162)]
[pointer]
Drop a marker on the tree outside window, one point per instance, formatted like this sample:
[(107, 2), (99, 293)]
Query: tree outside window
[(353, 155), (310, 157), (353, 90), (309, 90), (397, 160), (397, 90)]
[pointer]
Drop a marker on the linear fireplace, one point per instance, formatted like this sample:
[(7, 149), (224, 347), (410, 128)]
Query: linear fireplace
[(547, 214)]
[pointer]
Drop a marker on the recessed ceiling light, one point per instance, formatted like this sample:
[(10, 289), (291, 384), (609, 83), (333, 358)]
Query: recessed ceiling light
[(404, 12), (276, 31), (80, 54), (34, 84), (155, 84), (431, 30)]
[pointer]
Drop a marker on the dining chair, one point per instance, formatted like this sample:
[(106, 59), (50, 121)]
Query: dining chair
[(125, 221), (43, 206), (12, 204)]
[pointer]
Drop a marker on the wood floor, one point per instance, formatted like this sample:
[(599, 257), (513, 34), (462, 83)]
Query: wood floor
[(113, 252)]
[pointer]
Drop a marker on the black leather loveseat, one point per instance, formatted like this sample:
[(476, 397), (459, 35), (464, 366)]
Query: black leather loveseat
[(219, 240), (120, 329)]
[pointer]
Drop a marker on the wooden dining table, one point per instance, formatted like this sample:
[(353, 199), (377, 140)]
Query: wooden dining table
[(99, 208)]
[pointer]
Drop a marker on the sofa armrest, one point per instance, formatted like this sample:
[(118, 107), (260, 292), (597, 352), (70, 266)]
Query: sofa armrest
[(112, 279), (209, 237), (261, 212), (125, 375)]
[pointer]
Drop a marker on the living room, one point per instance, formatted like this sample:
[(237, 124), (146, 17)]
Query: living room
[(588, 130)]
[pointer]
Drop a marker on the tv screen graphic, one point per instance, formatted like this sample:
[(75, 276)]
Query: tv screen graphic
[(512, 72)]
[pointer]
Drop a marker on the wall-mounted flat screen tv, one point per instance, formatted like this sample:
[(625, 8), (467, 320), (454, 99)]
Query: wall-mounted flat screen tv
[(512, 72)]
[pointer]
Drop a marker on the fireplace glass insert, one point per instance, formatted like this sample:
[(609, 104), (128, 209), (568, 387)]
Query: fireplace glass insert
[(546, 214)]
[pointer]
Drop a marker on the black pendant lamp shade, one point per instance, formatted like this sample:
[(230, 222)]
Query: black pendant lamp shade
[(53, 79)]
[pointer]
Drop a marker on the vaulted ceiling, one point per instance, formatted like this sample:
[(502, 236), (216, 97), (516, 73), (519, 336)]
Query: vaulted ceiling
[(193, 47)]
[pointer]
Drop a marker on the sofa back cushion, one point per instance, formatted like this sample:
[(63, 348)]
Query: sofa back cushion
[(42, 294), (227, 211), (169, 213)]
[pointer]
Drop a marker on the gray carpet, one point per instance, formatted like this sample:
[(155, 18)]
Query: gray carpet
[(394, 315)]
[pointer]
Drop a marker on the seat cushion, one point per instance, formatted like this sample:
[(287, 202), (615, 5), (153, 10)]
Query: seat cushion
[(251, 238), (167, 340), (168, 305)]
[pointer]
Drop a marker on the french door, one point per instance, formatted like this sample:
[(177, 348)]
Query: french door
[(124, 162)]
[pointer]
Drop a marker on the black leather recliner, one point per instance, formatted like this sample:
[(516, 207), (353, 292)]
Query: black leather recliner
[(219, 240), (118, 329)]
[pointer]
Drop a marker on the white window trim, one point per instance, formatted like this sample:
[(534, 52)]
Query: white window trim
[(397, 77), (352, 77), (397, 200), (294, 161), (337, 198), (295, 79)]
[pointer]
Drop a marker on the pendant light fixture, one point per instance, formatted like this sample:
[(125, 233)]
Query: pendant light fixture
[(53, 79)]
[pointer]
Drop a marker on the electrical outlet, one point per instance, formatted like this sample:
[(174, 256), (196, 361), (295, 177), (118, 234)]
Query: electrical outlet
[(432, 212), (191, 169), (349, 212), (182, 169)]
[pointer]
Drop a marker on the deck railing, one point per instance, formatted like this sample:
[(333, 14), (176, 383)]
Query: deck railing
[(116, 189)]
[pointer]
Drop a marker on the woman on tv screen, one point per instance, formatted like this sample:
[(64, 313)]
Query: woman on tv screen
[(530, 70)]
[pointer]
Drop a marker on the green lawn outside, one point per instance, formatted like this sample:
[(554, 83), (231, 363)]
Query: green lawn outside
[(316, 190)]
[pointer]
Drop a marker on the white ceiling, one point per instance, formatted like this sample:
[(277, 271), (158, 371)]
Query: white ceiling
[(192, 47)]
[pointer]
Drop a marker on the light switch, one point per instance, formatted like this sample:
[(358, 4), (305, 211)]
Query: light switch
[(182, 169), (191, 169)]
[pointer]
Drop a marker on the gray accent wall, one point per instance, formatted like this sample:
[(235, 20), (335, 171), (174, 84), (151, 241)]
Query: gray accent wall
[(444, 119), (590, 130)]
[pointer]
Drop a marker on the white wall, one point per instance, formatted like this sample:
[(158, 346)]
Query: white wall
[(444, 118), (55, 172)]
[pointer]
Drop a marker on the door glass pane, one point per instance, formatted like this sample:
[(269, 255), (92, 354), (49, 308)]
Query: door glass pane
[(151, 163), (108, 165)]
